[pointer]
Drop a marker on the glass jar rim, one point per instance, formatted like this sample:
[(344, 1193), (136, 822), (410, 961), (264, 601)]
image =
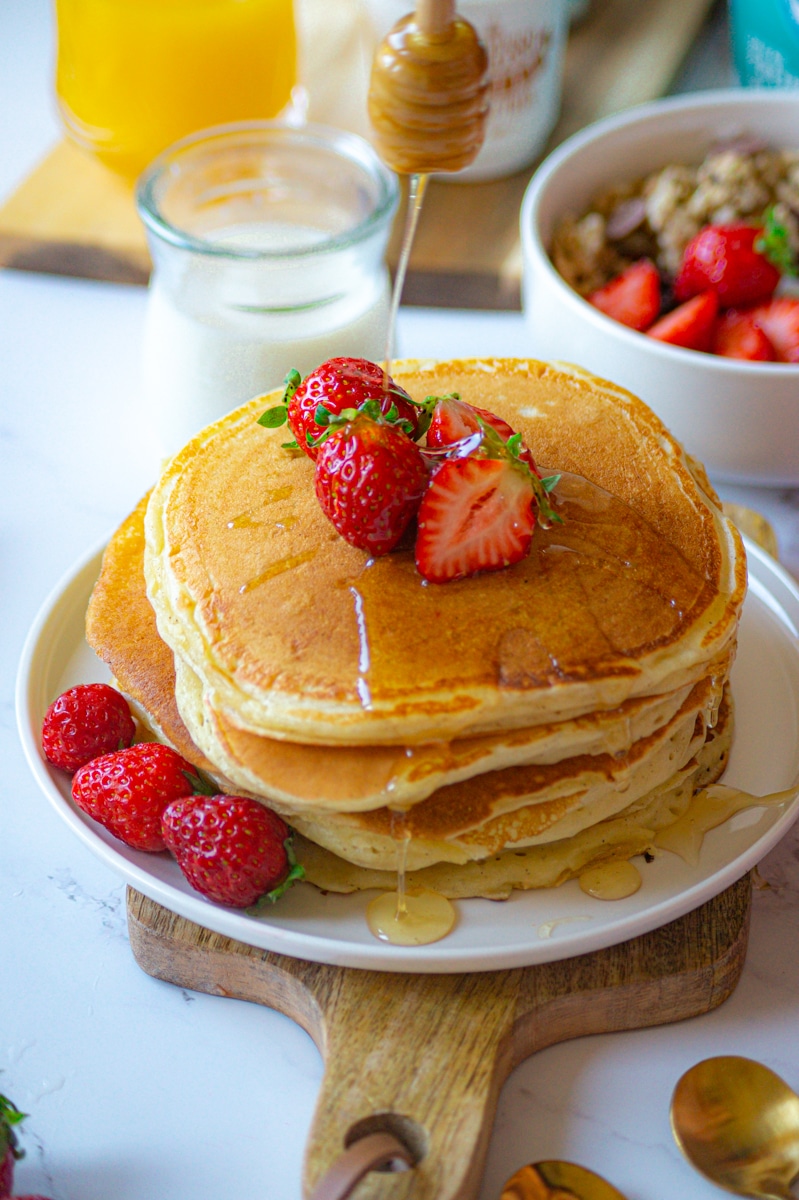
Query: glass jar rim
[(347, 145)]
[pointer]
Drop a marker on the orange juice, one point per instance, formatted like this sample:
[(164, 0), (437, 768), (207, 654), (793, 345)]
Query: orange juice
[(133, 76)]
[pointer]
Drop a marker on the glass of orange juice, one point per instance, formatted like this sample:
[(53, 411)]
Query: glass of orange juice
[(134, 76)]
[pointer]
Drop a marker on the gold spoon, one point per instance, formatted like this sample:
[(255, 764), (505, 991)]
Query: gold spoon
[(738, 1124), (555, 1180)]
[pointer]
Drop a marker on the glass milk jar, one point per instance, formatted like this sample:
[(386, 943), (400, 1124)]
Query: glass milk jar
[(268, 247)]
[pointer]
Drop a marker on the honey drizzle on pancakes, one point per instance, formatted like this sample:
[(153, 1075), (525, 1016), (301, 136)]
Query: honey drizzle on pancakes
[(630, 589)]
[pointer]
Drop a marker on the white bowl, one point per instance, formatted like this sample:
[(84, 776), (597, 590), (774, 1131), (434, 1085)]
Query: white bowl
[(741, 419)]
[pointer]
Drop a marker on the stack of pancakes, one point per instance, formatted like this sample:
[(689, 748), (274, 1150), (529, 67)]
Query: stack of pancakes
[(511, 728)]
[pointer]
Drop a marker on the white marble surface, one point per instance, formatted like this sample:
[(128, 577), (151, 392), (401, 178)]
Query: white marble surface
[(138, 1090)]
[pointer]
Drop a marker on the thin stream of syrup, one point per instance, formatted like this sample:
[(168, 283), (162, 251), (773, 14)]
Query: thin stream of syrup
[(406, 918), (417, 186)]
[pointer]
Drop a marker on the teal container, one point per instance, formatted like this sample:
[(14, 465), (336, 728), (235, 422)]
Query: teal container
[(765, 42)]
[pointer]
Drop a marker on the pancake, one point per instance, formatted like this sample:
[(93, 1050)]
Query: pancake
[(296, 635), (517, 807), (121, 628), (512, 727), (549, 864)]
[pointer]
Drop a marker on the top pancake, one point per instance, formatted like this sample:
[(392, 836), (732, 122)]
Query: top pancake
[(295, 634)]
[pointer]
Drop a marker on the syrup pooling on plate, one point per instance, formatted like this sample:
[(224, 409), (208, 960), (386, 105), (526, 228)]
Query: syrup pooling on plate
[(428, 917), (611, 881), (709, 808), (405, 918)]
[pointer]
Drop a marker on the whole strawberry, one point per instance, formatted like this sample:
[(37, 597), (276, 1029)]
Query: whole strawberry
[(127, 791), (337, 384), (86, 721), (9, 1148), (724, 258), (369, 479), (230, 848)]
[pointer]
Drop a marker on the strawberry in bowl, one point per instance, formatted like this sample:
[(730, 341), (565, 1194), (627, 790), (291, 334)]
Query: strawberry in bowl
[(717, 359), (722, 297)]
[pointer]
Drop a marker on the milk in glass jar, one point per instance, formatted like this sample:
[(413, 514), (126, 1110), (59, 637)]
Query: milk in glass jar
[(268, 247)]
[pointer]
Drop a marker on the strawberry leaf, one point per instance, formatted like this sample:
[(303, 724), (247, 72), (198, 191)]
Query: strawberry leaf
[(296, 873), (290, 384), (9, 1116), (199, 784), (274, 417), (775, 244)]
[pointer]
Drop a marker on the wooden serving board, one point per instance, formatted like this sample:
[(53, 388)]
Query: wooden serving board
[(71, 216), (474, 1029)]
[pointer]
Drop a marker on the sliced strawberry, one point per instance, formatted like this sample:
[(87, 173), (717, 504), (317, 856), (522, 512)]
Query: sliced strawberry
[(737, 335), (779, 320), (691, 325), (452, 420), (633, 298), (477, 514), (724, 258)]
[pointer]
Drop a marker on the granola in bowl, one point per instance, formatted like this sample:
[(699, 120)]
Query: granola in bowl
[(657, 215)]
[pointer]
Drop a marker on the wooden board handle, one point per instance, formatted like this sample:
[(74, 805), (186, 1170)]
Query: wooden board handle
[(423, 1057)]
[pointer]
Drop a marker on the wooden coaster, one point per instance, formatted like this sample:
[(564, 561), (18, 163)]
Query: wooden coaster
[(424, 1056)]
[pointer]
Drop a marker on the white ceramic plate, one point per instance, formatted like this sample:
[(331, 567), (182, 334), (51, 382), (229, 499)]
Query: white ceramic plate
[(531, 927)]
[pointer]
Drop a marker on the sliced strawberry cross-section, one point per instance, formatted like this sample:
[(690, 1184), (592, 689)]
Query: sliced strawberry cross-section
[(779, 320), (737, 335), (453, 419), (633, 297), (477, 515), (690, 325), (724, 258)]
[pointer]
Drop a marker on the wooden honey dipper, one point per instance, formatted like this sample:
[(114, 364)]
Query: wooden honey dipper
[(428, 94), (428, 104)]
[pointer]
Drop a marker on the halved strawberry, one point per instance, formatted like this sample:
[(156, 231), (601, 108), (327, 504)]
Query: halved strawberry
[(724, 258), (779, 320), (478, 514), (690, 325), (633, 298), (452, 420), (737, 335)]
